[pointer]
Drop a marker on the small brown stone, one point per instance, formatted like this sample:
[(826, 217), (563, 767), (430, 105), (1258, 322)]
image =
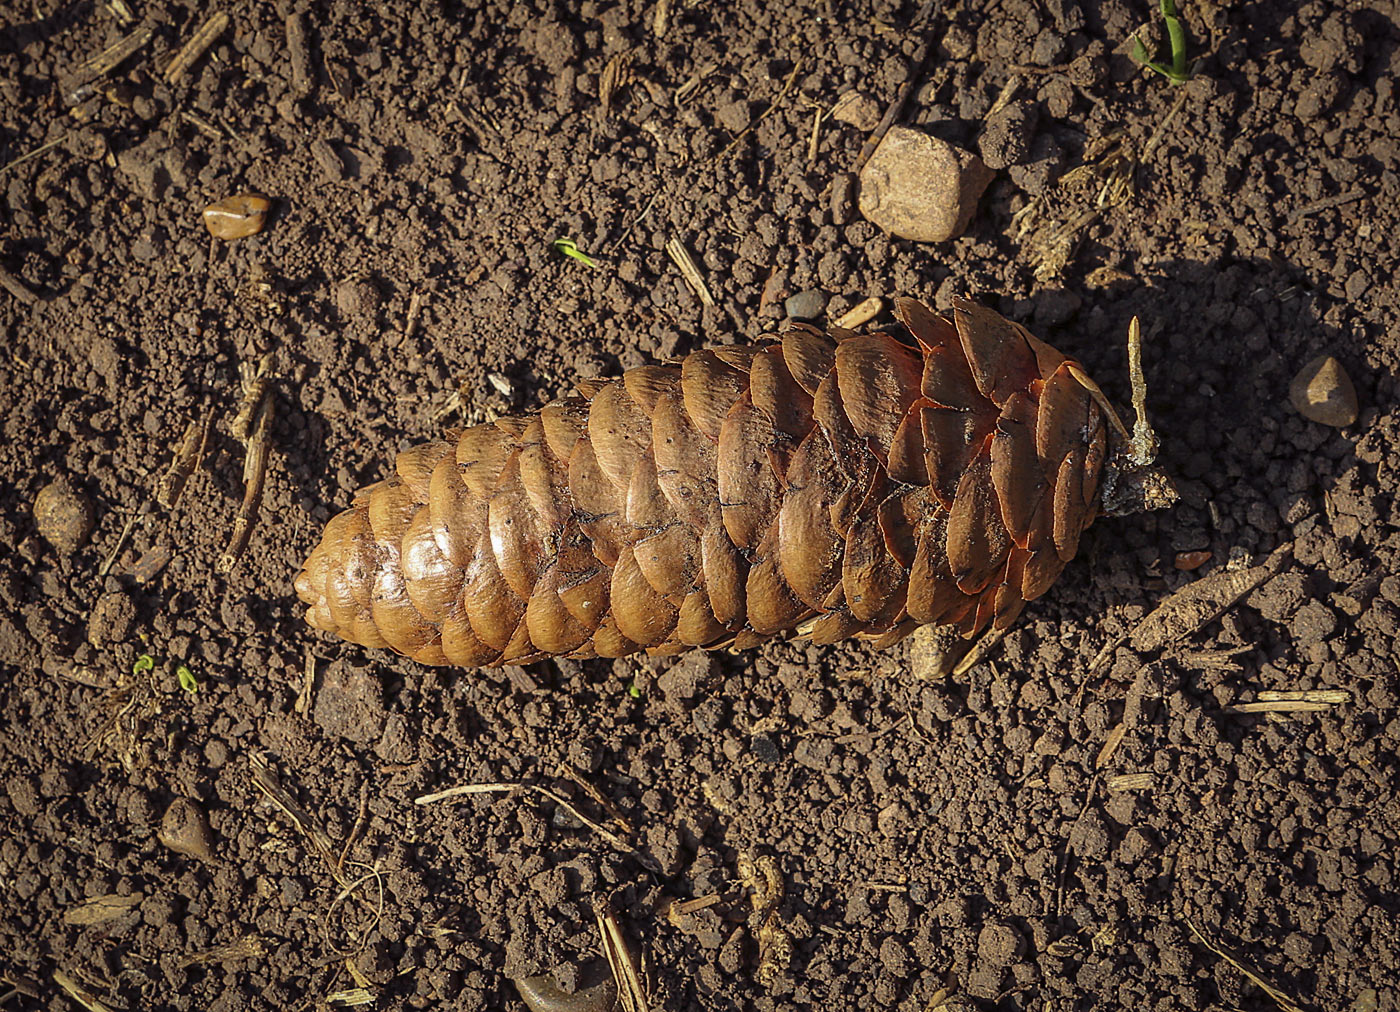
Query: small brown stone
[(64, 516), (858, 109), (1188, 561), (185, 830), (1322, 392), (237, 216), (919, 187)]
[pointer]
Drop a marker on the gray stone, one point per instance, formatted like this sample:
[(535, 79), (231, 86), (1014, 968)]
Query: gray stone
[(806, 305)]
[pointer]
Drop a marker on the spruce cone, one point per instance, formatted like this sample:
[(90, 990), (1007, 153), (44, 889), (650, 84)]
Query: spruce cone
[(835, 483)]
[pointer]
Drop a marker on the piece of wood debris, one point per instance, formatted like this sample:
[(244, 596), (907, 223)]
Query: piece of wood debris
[(118, 52), (1194, 607), (617, 74), (250, 946), (196, 47), (299, 54), (690, 906), (691, 85), (308, 683), (682, 258), (660, 18), (182, 465), (415, 306), (862, 312), (102, 908)]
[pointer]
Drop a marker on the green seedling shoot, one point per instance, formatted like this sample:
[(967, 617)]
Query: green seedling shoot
[(1178, 72), (187, 680), (143, 664), (570, 249)]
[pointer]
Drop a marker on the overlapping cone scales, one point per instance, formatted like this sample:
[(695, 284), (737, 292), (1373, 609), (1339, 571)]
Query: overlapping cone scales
[(854, 484)]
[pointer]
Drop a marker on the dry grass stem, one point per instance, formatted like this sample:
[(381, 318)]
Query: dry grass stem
[(196, 46), (24, 158), (1280, 999), (268, 782), (689, 271), (599, 798), (80, 994), (631, 995), (254, 478), (787, 87), (117, 548), (503, 788), (979, 651), (916, 73), (1131, 782)]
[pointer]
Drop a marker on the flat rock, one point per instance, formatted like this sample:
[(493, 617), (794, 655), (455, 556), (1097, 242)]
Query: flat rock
[(919, 187), (1322, 392)]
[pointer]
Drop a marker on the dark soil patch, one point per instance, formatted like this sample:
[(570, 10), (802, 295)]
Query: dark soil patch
[(928, 835)]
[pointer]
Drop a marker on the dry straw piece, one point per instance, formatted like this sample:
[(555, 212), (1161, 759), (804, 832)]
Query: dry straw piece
[(842, 484)]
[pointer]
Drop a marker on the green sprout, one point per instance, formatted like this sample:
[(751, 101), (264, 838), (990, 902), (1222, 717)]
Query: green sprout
[(143, 664), (570, 249), (187, 680), (1178, 72), (633, 691)]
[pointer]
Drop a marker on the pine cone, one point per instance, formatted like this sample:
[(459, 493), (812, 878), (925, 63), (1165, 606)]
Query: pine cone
[(832, 483)]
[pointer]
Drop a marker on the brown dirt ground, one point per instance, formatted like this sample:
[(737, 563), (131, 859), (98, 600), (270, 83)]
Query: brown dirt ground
[(929, 835)]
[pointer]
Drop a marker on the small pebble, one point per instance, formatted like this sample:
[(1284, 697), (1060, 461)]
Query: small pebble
[(858, 109), (185, 830), (64, 516), (543, 993), (237, 217), (919, 187), (1322, 392), (806, 305)]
